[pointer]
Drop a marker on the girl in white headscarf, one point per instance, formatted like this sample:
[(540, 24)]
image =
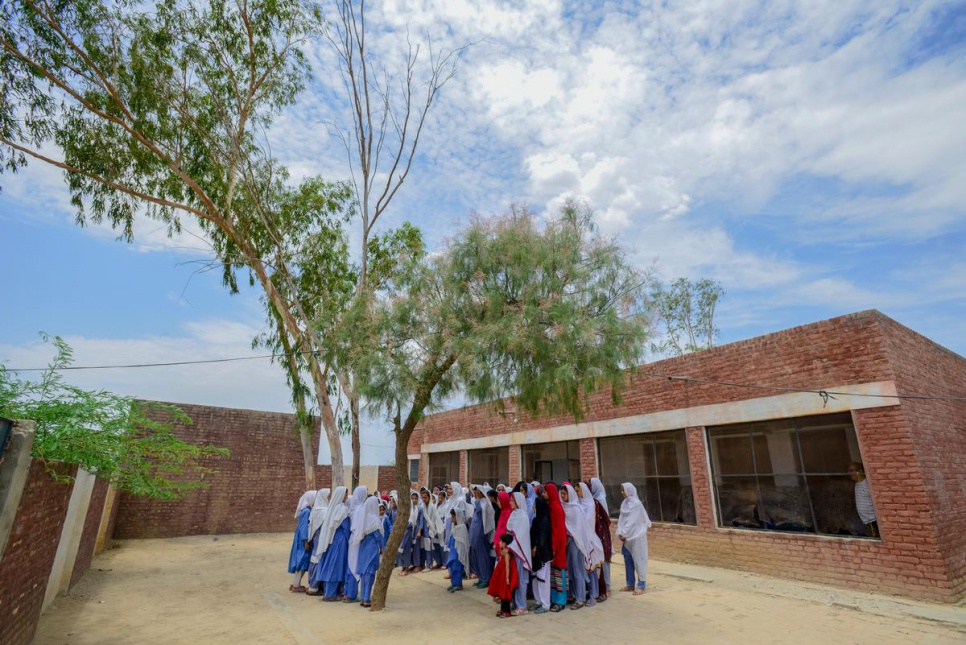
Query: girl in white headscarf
[(331, 551), (458, 549), (584, 550), (481, 536), (603, 532), (411, 553), (356, 506), (431, 542), (519, 527), (632, 530), (370, 540), (300, 557)]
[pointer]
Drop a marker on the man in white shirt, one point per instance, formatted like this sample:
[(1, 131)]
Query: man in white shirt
[(863, 499)]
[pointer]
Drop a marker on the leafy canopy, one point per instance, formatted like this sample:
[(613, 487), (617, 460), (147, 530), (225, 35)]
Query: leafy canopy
[(115, 437)]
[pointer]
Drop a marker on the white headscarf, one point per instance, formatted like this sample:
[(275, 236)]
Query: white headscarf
[(334, 515), (588, 507), (461, 538), (365, 520), (587, 542), (319, 508), (431, 513), (414, 508), (358, 498), (489, 518), (519, 527), (633, 521), (305, 501), (597, 488)]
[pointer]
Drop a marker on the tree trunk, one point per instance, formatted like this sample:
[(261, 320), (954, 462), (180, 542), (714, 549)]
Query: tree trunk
[(331, 429), (387, 562), (305, 434), (356, 444)]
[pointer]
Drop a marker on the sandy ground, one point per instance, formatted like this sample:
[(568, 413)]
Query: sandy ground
[(234, 589)]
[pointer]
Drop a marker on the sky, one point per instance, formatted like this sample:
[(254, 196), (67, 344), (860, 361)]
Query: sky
[(810, 156)]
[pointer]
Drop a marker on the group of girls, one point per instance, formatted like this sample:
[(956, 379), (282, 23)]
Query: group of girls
[(548, 543), (338, 543)]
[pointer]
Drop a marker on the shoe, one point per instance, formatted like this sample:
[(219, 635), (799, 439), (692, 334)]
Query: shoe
[(539, 609), (457, 587), (451, 588), (602, 597), (313, 592), (298, 589), (504, 614)]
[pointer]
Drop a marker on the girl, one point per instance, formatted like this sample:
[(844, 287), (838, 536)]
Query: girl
[(356, 515), (458, 558), (300, 558), (481, 531), (502, 518), (518, 525), (632, 530), (584, 551), (541, 546), (504, 580), (558, 537), (332, 549), (370, 545), (412, 554), (316, 518), (602, 529)]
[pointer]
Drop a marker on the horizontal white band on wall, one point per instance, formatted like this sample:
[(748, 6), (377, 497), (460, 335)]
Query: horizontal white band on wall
[(793, 404), (416, 456)]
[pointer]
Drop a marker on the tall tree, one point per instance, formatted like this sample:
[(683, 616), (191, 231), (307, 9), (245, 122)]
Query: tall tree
[(543, 315), (685, 310), (161, 111), (387, 111)]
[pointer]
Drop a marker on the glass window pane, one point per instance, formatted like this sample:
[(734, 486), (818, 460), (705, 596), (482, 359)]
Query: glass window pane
[(833, 498), (825, 450), (784, 503), (670, 490), (666, 451), (732, 454), (650, 495), (738, 502)]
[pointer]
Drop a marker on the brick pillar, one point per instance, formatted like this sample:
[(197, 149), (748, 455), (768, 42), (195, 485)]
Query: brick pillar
[(588, 459), (423, 469), (515, 466), (700, 476), (464, 469)]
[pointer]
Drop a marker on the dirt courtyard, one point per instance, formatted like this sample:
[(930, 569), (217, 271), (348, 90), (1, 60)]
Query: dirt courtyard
[(234, 589)]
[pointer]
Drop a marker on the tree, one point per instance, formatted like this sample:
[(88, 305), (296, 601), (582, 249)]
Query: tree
[(161, 111), (387, 113), (686, 311), (116, 438), (542, 315)]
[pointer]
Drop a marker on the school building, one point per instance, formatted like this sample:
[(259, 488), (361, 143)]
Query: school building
[(743, 455)]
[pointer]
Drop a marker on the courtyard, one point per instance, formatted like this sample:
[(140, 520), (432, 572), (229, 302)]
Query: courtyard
[(234, 589)]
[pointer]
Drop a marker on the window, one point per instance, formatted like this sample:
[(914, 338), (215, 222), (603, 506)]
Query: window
[(414, 470), (787, 475), (657, 464), (444, 467), (490, 465), (551, 462)]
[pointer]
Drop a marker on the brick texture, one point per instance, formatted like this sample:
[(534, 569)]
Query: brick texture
[(914, 453), (30, 552)]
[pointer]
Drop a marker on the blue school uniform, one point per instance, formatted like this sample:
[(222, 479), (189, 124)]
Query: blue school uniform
[(480, 561), (369, 550), (300, 559), (453, 564), (334, 562)]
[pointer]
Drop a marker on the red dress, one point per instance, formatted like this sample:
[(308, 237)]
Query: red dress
[(498, 586)]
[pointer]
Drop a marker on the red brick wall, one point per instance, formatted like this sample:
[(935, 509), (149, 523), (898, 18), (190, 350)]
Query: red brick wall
[(938, 430), (254, 490), (387, 478), (915, 454), (29, 555), (85, 552)]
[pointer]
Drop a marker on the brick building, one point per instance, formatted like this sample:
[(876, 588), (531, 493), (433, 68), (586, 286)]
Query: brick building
[(743, 455)]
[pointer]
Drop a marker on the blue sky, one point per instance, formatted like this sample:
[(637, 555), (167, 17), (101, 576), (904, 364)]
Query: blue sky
[(808, 155)]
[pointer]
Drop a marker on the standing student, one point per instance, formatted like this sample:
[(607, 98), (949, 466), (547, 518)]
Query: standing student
[(584, 551), (588, 505), (632, 530), (481, 530), (558, 536), (502, 518), (410, 549), (541, 548), (458, 553), (518, 525), (504, 581), (370, 545), (316, 518), (332, 550), (357, 518), (300, 557), (432, 550), (602, 528)]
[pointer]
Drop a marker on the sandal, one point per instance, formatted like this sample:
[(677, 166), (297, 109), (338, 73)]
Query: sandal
[(504, 614), (577, 605), (298, 589), (639, 592), (556, 608), (539, 609), (313, 592), (626, 588), (332, 599), (519, 612)]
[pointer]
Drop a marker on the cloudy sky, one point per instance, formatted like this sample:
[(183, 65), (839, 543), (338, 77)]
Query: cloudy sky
[(810, 156)]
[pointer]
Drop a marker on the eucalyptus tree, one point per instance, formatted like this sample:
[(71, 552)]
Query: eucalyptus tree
[(686, 309), (542, 314), (161, 111)]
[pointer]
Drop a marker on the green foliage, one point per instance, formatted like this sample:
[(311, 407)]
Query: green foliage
[(544, 315), (686, 311), (110, 436)]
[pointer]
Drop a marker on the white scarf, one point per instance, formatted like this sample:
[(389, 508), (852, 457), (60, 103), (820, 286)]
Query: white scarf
[(461, 538), (587, 542), (633, 521), (588, 507), (319, 508), (519, 527), (365, 520), (334, 516), (358, 498), (414, 509), (305, 501), (489, 519), (597, 488)]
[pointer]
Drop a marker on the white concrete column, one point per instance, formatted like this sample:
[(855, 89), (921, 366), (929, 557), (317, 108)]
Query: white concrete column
[(70, 536)]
